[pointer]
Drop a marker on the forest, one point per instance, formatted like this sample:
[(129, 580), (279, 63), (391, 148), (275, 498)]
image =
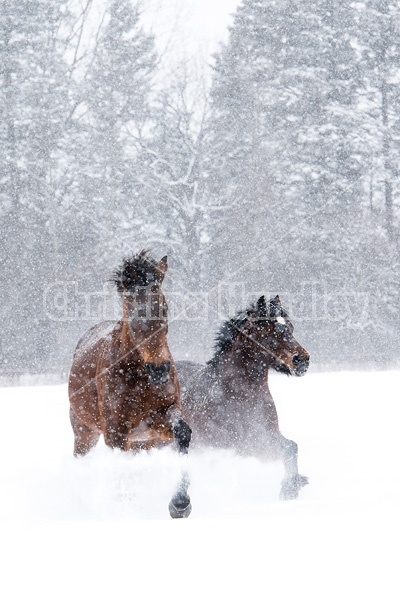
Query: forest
[(280, 176)]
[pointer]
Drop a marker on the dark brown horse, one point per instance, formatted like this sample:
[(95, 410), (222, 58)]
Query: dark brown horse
[(228, 402), (123, 382)]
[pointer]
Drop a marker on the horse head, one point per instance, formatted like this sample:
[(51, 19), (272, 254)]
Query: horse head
[(269, 333), (145, 313)]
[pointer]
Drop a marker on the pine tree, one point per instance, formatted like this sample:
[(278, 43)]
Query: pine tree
[(34, 105), (377, 48), (279, 120), (117, 96), (288, 154), (378, 57)]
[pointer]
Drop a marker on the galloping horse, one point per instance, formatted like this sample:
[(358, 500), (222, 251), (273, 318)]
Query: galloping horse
[(123, 382), (228, 402)]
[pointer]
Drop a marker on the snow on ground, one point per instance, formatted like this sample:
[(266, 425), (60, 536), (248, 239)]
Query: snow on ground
[(99, 527)]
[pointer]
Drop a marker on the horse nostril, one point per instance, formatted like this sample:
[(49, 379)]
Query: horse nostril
[(158, 373), (297, 359)]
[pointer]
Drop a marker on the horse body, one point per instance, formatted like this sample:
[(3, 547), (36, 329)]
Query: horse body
[(228, 412), (110, 393), (123, 382), (83, 382), (228, 402)]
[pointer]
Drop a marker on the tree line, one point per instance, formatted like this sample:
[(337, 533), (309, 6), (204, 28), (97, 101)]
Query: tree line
[(282, 176)]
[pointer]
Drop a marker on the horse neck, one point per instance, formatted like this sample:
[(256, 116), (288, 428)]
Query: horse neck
[(156, 344), (149, 345), (127, 343), (148, 338), (126, 340), (242, 364)]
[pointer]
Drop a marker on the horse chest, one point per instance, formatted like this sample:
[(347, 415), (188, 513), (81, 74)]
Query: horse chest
[(238, 416), (131, 404)]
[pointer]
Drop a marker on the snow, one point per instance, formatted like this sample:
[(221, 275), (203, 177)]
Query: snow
[(99, 527)]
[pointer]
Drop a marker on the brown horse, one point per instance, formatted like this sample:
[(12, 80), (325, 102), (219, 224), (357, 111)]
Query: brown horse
[(123, 382), (228, 402)]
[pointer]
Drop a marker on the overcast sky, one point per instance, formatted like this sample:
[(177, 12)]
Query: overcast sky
[(191, 28)]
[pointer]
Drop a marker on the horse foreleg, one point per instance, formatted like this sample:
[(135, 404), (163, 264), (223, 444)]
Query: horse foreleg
[(84, 438), (180, 506), (293, 482), (116, 437)]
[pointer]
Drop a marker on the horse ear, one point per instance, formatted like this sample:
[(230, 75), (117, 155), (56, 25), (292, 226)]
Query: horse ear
[(275, 307), (262, 306), (162, 268)]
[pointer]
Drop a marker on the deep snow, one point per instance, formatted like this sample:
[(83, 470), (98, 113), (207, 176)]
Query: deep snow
[(99, 527)]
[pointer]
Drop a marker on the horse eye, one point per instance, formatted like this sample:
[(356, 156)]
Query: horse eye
[(279, 328), (272, 342)]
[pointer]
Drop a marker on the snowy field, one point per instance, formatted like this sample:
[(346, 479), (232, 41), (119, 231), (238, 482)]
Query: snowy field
[(99, 527)]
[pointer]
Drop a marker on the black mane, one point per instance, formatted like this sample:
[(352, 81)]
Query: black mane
[(140, 270), (228, 334)]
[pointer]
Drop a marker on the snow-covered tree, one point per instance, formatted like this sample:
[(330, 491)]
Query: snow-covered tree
[(172, 180), (289, 147), (34, 106), (117, 90), (279, 147), (377, 47)]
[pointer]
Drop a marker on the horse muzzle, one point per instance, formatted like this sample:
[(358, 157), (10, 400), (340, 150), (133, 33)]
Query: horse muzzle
[(301, 364), (158, 374)]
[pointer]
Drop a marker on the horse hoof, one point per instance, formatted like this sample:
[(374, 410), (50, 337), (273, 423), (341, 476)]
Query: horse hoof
[(291, 487), (179, 512)]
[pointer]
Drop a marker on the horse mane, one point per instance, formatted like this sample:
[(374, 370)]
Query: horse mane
[(139, 270), (227, 335), (231, 328)]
